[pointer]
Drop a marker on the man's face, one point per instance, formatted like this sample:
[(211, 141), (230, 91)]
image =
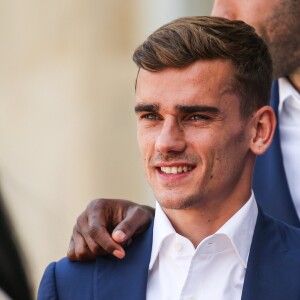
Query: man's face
[(193, 141), (277, 21)]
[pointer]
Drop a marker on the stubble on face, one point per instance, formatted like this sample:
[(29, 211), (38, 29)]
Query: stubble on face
[(207, 197), (281, 33)]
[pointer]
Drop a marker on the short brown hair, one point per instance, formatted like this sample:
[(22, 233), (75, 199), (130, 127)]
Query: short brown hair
[(186, 40)]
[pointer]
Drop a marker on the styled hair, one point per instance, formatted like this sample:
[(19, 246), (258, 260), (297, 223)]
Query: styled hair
[(187, 40)]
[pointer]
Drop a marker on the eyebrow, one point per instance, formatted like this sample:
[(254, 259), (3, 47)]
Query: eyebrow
[(179, 108), (146, 107), (197, 108)]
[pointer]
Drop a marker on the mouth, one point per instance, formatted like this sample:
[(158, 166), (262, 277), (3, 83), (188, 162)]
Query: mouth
[(175, 169)]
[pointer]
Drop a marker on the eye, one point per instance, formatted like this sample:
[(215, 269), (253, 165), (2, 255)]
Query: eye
[(199, 117), (149, 116)]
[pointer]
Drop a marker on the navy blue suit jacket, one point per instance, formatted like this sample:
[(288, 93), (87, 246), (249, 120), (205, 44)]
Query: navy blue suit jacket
[(273, 271), (270, 184)]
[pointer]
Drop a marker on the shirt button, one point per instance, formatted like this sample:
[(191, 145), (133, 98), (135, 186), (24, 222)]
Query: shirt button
[(178, 246)]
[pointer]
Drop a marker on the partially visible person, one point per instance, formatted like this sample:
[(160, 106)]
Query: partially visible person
[(13, 280), (202, 94), (276, 172)]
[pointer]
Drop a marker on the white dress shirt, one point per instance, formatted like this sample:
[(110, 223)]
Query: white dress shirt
[(289, 128), (215, 270)]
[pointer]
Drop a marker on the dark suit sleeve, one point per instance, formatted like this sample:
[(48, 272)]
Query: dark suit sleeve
[(47, 289)]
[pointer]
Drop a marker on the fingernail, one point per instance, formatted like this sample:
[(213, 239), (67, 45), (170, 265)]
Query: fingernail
[(118, 254), (119, 236)]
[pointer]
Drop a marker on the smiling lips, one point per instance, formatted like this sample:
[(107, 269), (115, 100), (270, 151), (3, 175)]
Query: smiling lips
[(175, 169)]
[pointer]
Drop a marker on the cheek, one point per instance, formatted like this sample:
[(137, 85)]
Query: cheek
[(146, 146), (231, 150), (144, 156), (218, 151), (146, 138), (207, 148)]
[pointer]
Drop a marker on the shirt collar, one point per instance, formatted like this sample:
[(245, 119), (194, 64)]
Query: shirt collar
[(238, 229), (162, 228), (286, 91)]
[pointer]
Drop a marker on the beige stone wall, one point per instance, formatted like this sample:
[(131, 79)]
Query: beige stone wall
[(67, 129)]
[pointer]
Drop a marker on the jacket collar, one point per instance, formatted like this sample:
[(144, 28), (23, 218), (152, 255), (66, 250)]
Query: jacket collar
[(273, 255), (269, 182)]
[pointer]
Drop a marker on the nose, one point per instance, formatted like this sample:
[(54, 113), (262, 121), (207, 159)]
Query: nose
[(224, 9), (171, 138)]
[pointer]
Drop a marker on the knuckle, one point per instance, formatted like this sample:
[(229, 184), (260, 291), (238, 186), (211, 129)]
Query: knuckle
[(74, 232), (91, 231), (95, 249), (71, 253), (127, 226), (81, 252), (79, 221), (96, 204), (139, 213)]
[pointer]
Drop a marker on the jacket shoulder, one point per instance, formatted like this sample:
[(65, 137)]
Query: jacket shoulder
[(67, 280), (289, 235)]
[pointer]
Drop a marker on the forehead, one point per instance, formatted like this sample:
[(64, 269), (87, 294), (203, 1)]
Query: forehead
[(203, 82), (245, 10)]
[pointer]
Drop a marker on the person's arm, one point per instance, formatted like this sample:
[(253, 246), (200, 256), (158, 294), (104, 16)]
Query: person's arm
[(107, 227)]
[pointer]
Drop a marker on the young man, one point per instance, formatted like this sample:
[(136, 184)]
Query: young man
[(276, 172), (202, 116)]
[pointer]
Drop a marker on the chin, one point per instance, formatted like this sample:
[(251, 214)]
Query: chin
[(172, 201)]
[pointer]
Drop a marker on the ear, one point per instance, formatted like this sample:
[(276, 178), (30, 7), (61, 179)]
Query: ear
[(264, 123)]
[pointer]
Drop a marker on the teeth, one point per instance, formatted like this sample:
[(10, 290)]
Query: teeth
[(175, 170)]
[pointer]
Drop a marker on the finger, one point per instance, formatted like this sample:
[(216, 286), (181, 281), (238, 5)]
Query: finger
[(91, 226), (79, 250), (71, 250), (85, 237), (119, 235), (137, 219), (84, 246), (101, 242), (99, 219), (127, 243)]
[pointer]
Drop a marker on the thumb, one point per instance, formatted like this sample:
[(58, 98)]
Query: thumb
[(119, 235), (136, 221)]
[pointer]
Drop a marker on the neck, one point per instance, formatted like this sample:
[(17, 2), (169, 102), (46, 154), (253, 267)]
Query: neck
[(197, 223), (295, 80)]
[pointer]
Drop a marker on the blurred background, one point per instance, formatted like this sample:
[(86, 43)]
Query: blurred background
[(67, 127)]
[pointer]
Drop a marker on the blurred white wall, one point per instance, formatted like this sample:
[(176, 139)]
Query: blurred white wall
[(67, 128)]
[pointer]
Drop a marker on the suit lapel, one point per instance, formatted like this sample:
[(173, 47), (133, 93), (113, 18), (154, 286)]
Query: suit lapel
[(270, 184), (126, 278), (258, 283), (273, 255)]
